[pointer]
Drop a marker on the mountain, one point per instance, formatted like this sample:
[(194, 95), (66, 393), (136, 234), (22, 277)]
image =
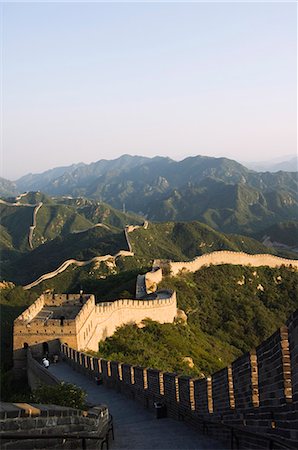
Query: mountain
[(35, 182), (181, 241), (49, 256), (55, 217), (237, 207), (290, 164), (283, 235), (7, 188), (178, 241), (218, 191)]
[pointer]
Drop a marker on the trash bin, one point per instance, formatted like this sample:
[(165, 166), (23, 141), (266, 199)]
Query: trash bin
[(98, 380), (160, 410)]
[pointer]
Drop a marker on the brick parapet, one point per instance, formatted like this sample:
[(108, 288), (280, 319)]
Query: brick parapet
[(252, 393), (203, 396), (34, 420), (222, 390), (230, 257), (292, 324), (274, 371), (245, 381)]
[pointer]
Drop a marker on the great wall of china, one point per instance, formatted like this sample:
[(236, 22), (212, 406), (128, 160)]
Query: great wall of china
[(213, 258), (257, 393), (36, 207), (229, 257)]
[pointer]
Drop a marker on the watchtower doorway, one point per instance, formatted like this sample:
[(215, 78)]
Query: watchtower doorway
[(45, 348)]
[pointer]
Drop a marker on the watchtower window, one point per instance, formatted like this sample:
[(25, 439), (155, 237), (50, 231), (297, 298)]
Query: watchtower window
[(25, 345), (62, 318)]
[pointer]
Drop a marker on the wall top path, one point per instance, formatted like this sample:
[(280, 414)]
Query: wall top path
[(229, 257)]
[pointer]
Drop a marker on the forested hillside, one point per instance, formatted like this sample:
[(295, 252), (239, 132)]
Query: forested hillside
[(230, 310)]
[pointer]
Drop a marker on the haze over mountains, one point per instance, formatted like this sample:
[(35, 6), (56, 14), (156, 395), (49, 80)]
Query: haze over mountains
[(217, 191)]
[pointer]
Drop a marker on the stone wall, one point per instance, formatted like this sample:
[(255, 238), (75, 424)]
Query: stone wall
[(37, 375), (31, 331), (257, 394), (228, 257), (152, 279), (35, 420), (111, 315), (91, 324)]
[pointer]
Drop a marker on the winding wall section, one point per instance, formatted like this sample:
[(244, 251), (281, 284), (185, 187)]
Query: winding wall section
[(228, 257), (69, 262)]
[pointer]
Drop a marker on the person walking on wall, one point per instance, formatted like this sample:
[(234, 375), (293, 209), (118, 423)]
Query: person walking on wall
[(45, 363)]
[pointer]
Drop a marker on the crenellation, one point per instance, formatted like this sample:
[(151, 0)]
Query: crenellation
[(274, 369), (154, 386), (238, 394), (292, 324), (116, 371), (127, 374), (77, 321), (140, 377), (230, 257), (245, 381), (203, 396), (222, 390), (186, 392), (253, 392)]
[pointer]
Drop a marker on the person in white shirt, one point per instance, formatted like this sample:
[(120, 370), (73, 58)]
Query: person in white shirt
[(46, 363)]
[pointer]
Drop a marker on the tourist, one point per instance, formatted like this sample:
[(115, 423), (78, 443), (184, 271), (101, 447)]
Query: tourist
[(46, 363)]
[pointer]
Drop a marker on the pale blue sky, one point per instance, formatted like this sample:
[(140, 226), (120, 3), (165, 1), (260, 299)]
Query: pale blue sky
[(85, 81)]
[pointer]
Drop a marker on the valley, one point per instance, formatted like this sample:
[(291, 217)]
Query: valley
[(190, 217)]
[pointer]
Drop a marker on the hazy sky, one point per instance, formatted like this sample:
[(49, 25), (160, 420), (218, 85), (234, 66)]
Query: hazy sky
[(85, 81)]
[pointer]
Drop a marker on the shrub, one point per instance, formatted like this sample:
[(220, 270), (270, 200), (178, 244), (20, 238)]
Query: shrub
[(63, 394)]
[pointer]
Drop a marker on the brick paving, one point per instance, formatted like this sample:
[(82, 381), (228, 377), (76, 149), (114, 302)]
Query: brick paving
[(136, 428)]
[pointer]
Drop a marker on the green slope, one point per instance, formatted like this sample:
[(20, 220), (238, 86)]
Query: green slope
[(226, 207), (48, 257), (15, 221), (228, 314), (184, 240), (284, 232)]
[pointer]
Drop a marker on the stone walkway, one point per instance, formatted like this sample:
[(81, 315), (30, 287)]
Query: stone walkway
[(136, 428)]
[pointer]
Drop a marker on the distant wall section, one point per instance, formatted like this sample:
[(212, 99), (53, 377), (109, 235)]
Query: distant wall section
[(228, 257)]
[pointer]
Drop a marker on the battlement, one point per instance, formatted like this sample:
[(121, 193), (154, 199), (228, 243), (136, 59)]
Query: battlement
[(229, 257), (78, 322), (257, 392)]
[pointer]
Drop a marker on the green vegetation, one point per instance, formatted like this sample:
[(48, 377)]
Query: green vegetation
[(105, 283), (169, 347), (57, 220), (239, 305), (184, 240), (63, 394), (48, 257), (13, 301), (230, 309), (99, 212), (15, 221), (12, 390), (218, 191), (283, 232)]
